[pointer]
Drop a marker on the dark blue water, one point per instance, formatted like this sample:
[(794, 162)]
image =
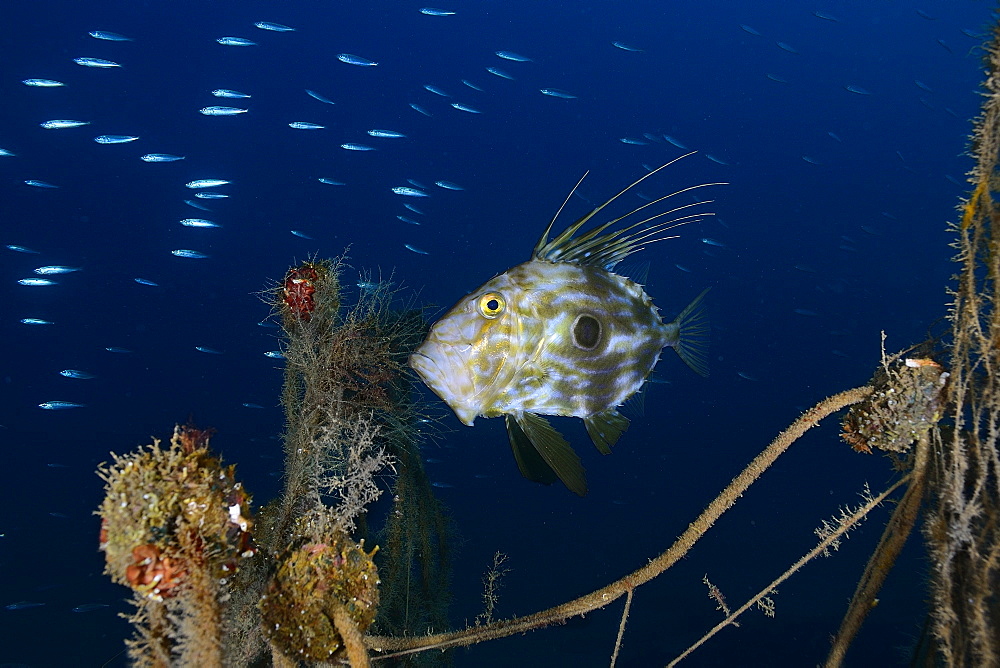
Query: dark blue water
[(843, 149)]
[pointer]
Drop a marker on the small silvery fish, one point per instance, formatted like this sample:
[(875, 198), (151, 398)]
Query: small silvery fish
[(409, 192), (316, 96), (20, 249), (448, 185), (274, 27), (222, 111), (23, 605), (59, 405), (236, 41), (210, 195), (206, 349), (300, 234), (516, 57), (4, 151), (466, 108), (555, 92), (437, 91), (59, 124), (305, 125), (420, 110), (115, 139), (35, 183), (146, 281), (36, 321), (196, 205), (51, 269), (198, 222), (43, 83), (275, 354), (330, 182), (388, 134), (225, 92), (77, 374), (89, 607), (431, 11), (500, 73), (95, 62), (357, 147), (626, 47), (109, 36), (117, 350), (161, 157), (471, 85), (206, 183), (193, 254), (351, 59), (414, 249), (561, 334)]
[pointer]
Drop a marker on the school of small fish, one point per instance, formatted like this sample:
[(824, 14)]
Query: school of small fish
[(315, 118)]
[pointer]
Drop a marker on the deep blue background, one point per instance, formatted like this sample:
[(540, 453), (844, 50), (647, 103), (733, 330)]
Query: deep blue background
[(817, 259)]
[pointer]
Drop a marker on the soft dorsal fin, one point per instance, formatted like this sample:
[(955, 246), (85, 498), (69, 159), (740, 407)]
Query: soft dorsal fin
[(548, 449)]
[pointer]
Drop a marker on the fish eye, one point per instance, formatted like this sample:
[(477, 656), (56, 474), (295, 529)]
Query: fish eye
[(491, 305), (586, 331)]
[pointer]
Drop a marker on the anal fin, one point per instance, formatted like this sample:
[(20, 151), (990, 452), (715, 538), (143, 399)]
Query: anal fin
[(605, 428), (542, 453)]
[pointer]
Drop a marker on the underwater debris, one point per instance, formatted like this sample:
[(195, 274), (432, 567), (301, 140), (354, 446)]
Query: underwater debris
[(906, 403), (174, 530), (314, 586)]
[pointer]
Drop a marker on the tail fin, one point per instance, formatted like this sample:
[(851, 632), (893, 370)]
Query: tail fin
[(691, 331)]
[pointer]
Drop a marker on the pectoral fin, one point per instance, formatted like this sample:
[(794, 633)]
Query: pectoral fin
[(542, 453), (605, 428)]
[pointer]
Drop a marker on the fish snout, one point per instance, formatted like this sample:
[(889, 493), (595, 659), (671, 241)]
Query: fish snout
[(443, 370)]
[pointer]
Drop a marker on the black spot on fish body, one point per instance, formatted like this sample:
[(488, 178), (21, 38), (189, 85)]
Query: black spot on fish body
[(586, 331)]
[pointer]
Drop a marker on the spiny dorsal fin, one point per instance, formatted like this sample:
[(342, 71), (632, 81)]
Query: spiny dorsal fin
[(605, 250)]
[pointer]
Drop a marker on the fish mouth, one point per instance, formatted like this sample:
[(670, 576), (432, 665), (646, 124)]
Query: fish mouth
[(443, 370)]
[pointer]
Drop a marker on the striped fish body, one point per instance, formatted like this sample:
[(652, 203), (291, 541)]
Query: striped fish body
[(561, 334), (567, 340)]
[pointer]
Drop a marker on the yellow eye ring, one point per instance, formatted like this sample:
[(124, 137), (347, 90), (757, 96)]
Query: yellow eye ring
[(491, 305)]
